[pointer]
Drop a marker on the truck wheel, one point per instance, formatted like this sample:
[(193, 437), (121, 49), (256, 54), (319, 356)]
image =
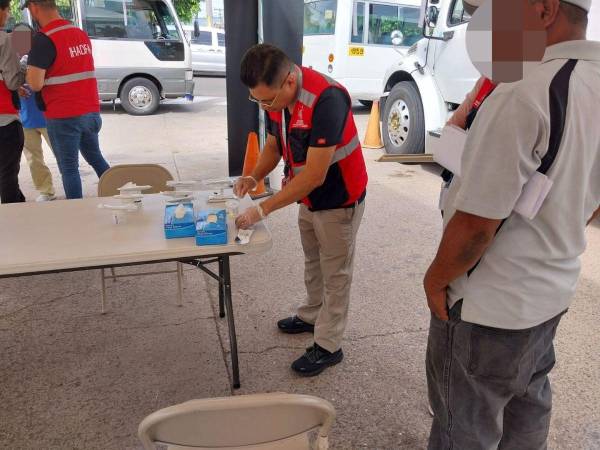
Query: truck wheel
[(403, 120), (140, 97)]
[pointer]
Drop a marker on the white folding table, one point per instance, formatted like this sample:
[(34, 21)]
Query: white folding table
[(69, 235)]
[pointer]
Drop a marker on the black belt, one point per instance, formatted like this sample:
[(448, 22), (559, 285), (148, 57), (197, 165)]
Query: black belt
[(351, 206)]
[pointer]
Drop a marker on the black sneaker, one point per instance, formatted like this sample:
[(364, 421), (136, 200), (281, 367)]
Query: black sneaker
[(316, 360), (295, 325)]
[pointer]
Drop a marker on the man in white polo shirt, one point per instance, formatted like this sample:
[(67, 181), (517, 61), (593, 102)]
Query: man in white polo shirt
[(500, 282)]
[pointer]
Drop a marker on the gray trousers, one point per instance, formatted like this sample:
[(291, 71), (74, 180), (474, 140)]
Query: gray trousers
[(489, 387), (328, 240)]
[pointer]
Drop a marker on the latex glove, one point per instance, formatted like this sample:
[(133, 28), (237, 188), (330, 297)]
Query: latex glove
[(243, 185), (249, 217)]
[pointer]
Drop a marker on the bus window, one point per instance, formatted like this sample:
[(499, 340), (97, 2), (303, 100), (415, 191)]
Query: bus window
[(358, 23), (203, 38), (319, 17), (384, 19), (142, 19), (221, 39)]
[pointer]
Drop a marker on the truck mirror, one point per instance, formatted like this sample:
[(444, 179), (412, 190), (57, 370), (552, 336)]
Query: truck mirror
[(397, 38), (432, 16)]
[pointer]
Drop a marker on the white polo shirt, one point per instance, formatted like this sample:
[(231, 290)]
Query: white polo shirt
[(530, 272)]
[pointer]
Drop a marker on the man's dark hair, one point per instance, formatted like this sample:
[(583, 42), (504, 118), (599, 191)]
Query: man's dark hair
[(4, 4), (575, 15), (264, 63)]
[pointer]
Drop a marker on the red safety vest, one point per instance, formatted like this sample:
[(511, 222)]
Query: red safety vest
[(70, 88), (6, 99), (346, 179)]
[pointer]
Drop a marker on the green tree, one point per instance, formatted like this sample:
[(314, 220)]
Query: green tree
[(186, 9), (15, 12)]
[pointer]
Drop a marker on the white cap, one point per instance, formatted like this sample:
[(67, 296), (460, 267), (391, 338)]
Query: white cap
[(583, 4), (471, 5)]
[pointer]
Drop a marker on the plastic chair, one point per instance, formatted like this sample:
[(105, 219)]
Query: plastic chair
[(260, 421), (142, 174)]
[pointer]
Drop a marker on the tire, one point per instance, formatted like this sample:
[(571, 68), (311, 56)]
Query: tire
[(367, 103), (140, 97), (403, 124)]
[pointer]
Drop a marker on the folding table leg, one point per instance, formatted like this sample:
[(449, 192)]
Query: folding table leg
[(103, 280), (179, 284), (231, 323), (221, 289)]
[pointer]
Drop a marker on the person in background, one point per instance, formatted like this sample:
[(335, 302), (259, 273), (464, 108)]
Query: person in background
[(34, 128), (61, 67), (11, 130)]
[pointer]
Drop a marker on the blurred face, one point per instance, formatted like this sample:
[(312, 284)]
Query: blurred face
[(4, 16), (507, 38), (276, 98)]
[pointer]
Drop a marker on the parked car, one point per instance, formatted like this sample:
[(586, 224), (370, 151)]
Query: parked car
[(208, 49)]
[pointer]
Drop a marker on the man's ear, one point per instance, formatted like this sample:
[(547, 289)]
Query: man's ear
[(548, 11)]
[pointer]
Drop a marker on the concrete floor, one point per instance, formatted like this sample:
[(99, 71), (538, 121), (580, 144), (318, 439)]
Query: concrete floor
[(71, 378)]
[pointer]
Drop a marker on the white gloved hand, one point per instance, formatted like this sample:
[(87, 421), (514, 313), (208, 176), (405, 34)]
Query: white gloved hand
[(23, 62), (244, 185)]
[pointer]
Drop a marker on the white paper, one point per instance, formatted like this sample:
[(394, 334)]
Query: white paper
[(244, 236), (448, 149), (534, 193)]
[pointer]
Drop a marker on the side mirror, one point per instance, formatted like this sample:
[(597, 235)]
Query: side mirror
[(397, 38), (431, 17)]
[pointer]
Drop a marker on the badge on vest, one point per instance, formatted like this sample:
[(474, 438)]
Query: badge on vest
[(299, 123)]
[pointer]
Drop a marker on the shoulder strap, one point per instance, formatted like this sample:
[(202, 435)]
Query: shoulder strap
[(559, 100)]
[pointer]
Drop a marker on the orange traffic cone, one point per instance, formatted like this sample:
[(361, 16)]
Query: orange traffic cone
[(373, 136), (250, 161)]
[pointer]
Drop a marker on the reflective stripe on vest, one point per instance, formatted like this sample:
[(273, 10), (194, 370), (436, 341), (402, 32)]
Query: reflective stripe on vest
[(69, 78), (63, 27), (340, 154), (307, 98)]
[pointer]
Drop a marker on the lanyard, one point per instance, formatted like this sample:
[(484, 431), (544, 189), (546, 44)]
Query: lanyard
[(486, 89)]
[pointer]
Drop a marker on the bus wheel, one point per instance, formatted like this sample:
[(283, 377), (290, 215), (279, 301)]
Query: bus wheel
[(403, 121), (140, 97)]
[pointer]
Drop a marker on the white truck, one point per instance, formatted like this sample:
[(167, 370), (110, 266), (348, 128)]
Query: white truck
[(426, 85)]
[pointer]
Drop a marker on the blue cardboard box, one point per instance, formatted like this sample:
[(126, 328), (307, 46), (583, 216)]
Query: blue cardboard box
[(179, 228), (211, 227)]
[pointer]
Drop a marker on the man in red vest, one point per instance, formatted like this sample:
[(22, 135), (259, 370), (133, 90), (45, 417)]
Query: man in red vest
[(11, 131), (310, 125), (61, 66)]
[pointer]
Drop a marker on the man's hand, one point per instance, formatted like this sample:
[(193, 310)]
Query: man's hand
[(24, 92), (248, 218), (436, 299), (244, 185)]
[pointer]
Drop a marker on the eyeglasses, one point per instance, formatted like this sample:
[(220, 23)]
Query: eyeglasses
[(269, 104)]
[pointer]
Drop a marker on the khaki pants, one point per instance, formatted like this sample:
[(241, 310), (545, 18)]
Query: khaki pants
[(328, 239), (42, 178)]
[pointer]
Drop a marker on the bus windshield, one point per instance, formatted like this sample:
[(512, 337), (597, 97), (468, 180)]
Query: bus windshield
[(129, 19), (319, 17)]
